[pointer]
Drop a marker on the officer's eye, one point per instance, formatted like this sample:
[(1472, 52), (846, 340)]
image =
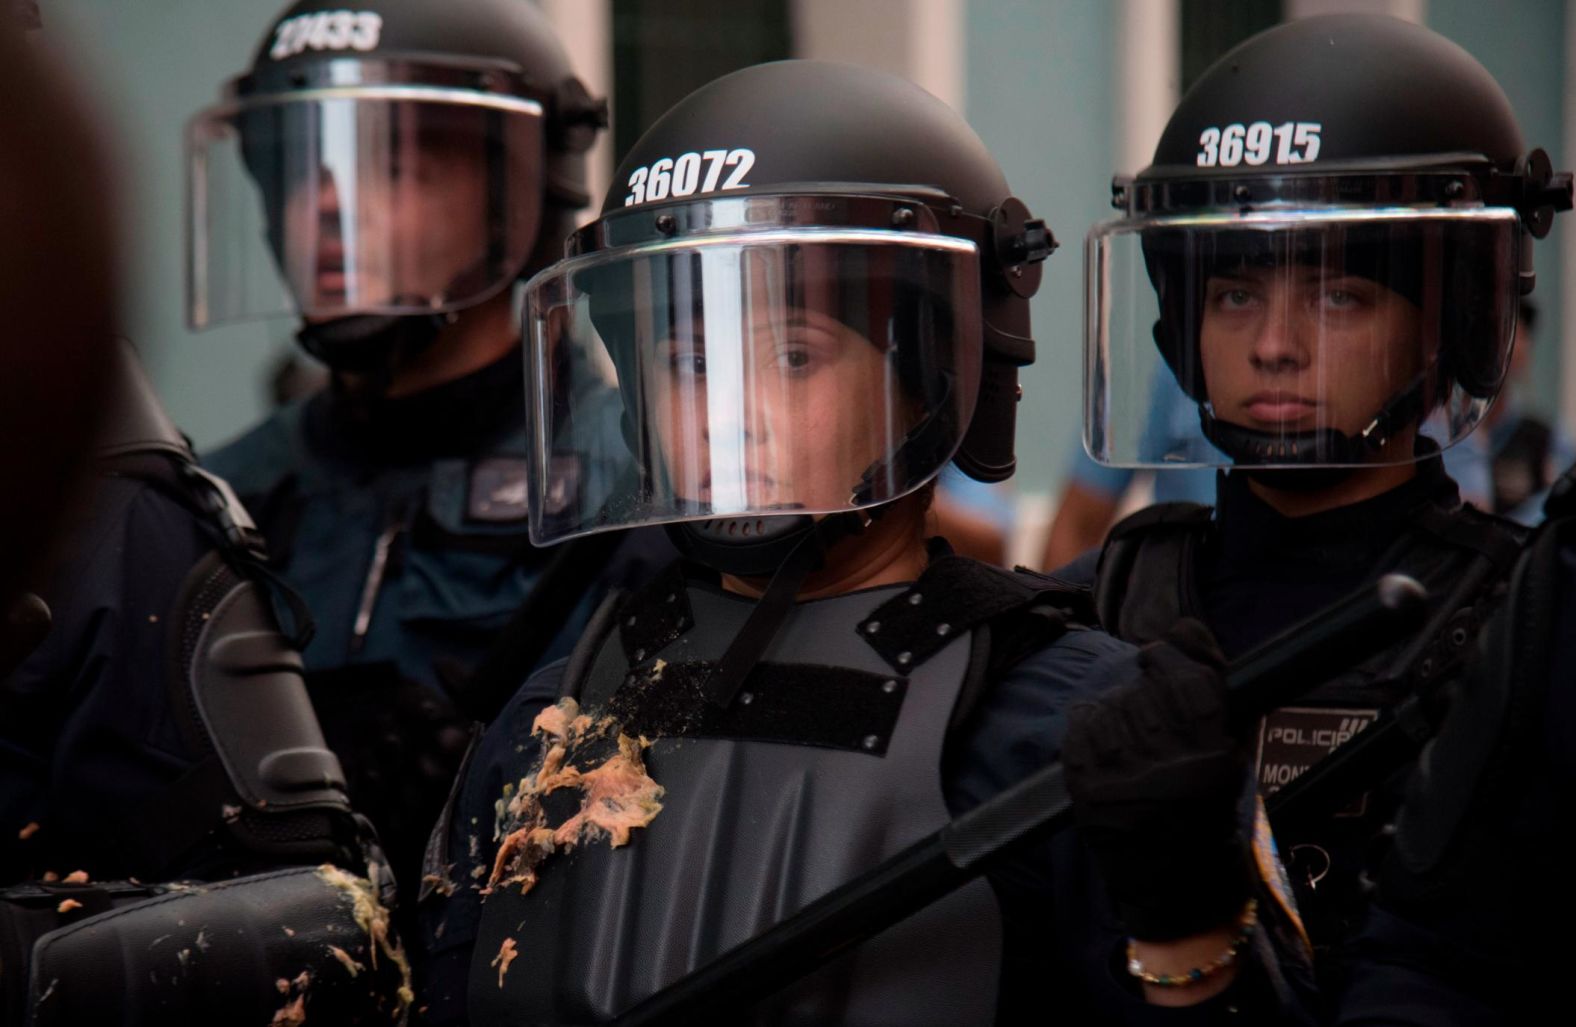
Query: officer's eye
[(794, 358), (687, 362), (1341, 297), (1235, 297)]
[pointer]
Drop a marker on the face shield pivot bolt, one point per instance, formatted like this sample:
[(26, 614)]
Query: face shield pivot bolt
[(666, 224), (902, 217)]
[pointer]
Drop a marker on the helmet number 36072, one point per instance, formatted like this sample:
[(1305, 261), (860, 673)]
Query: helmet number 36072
[(1291, 142), (688, 174)]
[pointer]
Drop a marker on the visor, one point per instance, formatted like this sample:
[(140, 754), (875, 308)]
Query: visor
[(776, 370), (386, 199), (1327, 337)]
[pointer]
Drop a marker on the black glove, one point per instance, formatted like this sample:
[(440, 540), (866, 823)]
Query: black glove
[(1157, 784)]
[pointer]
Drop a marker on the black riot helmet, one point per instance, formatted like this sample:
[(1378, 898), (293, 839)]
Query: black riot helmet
[(384, 166), (1326, 254), (807, 291)]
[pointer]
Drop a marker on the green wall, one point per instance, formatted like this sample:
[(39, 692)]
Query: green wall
[(1039, 94), (151, 64), (1522, 44)]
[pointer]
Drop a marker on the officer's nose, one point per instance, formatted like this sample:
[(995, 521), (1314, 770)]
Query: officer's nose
[(1280, 345), (327, 195)]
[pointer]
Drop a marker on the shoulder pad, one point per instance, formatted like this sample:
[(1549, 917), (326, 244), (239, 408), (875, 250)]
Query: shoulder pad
[(1144, 559)]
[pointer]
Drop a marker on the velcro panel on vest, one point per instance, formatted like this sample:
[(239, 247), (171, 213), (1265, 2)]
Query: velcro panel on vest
[(955, 594), (802, 704)]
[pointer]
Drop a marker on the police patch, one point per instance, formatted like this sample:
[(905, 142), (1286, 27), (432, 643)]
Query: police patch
[(1294, 738)]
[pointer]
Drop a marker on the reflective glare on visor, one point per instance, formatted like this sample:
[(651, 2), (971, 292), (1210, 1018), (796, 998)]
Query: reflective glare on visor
[(396, 200), (768, 373)]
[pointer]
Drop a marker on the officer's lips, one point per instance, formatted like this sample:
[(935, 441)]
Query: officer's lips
[(1279, 407), (330, 277), (757, 486)]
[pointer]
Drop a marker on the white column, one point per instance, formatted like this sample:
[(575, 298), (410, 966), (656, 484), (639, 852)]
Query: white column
[(922, 40), (1411, 10), (937, 37), (586, 29), (1148, 77)]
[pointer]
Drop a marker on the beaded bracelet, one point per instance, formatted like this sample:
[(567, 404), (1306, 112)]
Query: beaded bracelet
[(1246, 924)]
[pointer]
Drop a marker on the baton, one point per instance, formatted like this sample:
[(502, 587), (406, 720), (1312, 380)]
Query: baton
[(1258, 681)]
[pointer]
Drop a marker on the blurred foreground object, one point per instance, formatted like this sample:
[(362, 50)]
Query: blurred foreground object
[(58, 293)]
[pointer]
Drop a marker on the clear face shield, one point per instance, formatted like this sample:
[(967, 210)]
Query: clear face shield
[(750, 369), (1309, 337), (369, 199)]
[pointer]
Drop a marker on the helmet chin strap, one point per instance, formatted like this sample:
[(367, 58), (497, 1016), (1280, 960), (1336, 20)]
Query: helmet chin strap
[(803, 543), (1310, 453)]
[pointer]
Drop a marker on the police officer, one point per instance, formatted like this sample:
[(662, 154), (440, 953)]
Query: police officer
[(386, 174), (57, 258), (806, 293), (1327, 254)]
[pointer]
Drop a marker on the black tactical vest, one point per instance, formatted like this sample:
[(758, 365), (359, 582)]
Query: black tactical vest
[(827, 762)]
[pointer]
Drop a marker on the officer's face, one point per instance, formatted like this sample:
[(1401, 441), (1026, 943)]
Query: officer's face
[(790, 412), (1300, 348), (400, 229)]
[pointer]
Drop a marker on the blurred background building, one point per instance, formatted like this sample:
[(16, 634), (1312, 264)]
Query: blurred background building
[(1064, 92)]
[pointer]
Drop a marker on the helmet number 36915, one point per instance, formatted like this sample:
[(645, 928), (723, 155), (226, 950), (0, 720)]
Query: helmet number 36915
[(1291, 142), (688, 174)]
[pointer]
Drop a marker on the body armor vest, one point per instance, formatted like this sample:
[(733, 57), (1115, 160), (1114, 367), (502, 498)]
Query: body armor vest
[(1147, 580), (826, 763)]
